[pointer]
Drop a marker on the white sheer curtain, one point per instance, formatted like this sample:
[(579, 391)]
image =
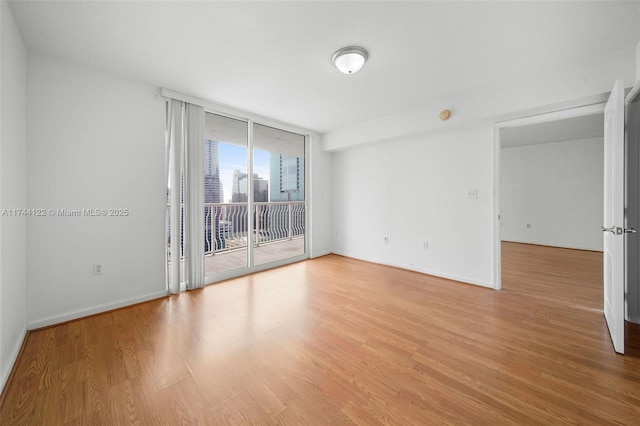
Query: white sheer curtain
[(185, 182)]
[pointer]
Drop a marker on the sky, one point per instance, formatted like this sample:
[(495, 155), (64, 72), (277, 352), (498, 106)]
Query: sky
[(234, 157)]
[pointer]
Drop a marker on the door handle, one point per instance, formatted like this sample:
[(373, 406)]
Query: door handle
[(616, 230)]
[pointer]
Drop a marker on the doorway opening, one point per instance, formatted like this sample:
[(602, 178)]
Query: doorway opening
[(551, 198), (620, 219)]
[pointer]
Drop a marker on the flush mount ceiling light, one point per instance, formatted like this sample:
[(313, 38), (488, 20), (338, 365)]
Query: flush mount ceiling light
[(350, 59)]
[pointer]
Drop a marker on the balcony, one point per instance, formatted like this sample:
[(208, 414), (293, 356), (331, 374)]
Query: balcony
[(278, 232), (216, 263)]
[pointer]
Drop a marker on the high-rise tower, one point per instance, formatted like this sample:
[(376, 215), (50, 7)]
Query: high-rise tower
[(212, 187)]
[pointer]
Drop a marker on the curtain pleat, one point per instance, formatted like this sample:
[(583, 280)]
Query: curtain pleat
[(185, 180), (194, 195)]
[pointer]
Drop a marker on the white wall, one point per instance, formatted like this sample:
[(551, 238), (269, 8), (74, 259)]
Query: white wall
[(638, 60), (13, 283), (415, 191), (320, 204), (94, 141), (372, 197), (556, 188)]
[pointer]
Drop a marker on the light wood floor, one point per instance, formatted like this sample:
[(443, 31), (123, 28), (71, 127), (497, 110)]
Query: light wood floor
[(335, 340)]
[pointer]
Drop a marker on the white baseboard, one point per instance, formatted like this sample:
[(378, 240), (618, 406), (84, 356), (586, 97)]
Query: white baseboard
[(68, 316), (320, 254), (458, 278), (6, 369), (565, 246)]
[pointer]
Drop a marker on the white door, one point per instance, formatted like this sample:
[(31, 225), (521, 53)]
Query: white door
[(613, 226)]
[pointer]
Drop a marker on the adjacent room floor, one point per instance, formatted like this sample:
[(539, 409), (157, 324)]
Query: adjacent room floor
[(336, 340)]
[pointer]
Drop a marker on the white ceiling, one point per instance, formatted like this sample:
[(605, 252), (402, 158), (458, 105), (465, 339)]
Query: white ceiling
[(575, 128), (273, 58)]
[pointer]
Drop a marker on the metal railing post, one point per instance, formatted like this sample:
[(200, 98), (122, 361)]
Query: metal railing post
[(257, 219), (290, 220)]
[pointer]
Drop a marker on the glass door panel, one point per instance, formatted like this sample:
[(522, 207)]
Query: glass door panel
[(278, 194), (225, 195)]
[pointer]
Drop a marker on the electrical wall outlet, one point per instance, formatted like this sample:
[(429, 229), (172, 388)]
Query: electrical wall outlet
[(97, 269), (425, 245), (386, 240)]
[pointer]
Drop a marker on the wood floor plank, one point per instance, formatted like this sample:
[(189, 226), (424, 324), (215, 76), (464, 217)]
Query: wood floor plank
[(339, 341), (183, 403)]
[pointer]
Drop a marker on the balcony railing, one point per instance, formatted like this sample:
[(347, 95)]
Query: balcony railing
[(225, 224)]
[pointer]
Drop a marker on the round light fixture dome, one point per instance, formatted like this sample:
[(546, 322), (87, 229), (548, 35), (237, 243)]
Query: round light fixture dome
[(350, 59)]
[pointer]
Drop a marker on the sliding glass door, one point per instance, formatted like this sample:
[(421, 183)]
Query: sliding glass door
[(226, 203), (254, 196), (279, 200)]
